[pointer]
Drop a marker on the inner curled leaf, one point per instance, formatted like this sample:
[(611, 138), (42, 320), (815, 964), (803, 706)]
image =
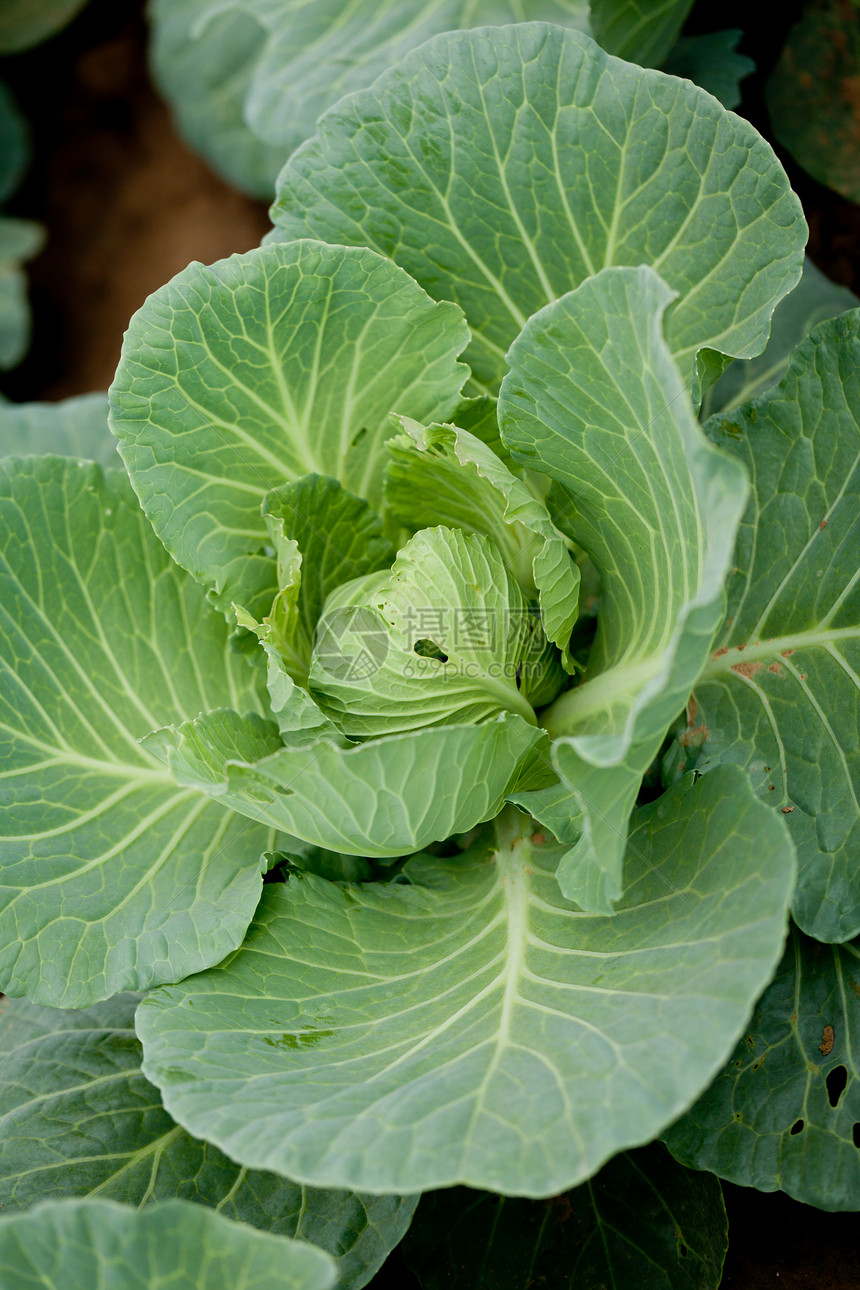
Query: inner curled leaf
[(446, 637)]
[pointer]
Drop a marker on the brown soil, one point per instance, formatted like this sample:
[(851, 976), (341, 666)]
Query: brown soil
[(126, 206)]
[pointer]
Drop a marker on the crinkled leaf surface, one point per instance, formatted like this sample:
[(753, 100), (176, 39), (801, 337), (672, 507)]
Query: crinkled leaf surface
[(387, 797), (24, 23), (454, 643), (112, 877), (75, 427), (642, 30), (643, 1223), (784, 1112), (473, 1026), (239, 378), (596, 401), (99, 1245), (781, 695), (814, 299), (503, 167), (78, 1118), (248, 78), (336, 537), (445, 475), (712, 61), (812, 95)]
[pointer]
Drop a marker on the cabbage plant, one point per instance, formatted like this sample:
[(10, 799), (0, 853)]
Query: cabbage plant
[(435, 721)]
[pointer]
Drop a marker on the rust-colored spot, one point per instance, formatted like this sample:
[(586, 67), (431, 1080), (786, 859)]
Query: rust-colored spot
[(786, 810), (538, 839), (775, 667), (718, 653), (694, 736), (740, 647), (767, 770), (803, 676), (793, 1019), (787, 653), (827, 1038), (746, 669), (771, 787), (823, 524), (692, 709)]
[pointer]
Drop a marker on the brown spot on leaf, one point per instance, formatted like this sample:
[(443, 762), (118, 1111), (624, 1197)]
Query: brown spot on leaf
[(746, 669), (718, 653), (771, 787), (538, 839), (787, 653), (827, 1038), (786, 810), (740, 647), (823, 524), (775, 667)]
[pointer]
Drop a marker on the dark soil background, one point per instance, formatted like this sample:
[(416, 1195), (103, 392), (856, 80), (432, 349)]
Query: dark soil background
[(127, 205)]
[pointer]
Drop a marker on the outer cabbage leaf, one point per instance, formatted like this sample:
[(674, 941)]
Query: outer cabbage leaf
[(14, 142), (473, 1026), (595, 400), (387, 797), (239, 378), (503, 167), (111, 878), (712, 61), (76, 1245), (445, 638), (812, 95), (814, 299), (641, 30), (444, 475), (247, 79), (24, 23), (781, 694), (20, 240), (784, 1111), (78, 1118), (643, 1223), (74, 427)]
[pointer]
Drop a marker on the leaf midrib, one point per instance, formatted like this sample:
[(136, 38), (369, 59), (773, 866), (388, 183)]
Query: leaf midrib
[(776, 647)]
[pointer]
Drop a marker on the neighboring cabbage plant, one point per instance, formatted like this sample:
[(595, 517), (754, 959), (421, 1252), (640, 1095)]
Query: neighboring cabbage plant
[(247, 79), (309, 737)]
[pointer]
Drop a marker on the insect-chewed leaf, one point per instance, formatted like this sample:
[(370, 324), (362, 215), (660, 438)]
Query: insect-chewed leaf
[(781, 694), (783, 1113)]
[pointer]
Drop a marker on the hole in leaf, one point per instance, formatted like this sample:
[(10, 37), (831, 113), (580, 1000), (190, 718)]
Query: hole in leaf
[(429, 649), (836, 1081), (855, 1134), (797, 1127), (682, 1250)]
